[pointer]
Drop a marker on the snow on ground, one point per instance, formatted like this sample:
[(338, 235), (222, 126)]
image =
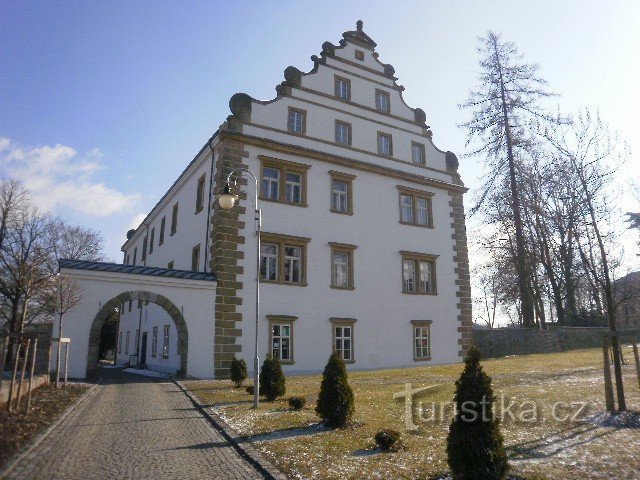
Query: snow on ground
[(107, 365), (146, 373)]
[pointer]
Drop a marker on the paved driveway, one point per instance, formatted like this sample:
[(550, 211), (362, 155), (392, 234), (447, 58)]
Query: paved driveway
[(133, 427)]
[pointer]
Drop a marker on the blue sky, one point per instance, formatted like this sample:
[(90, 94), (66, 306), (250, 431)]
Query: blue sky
[(102, 104)]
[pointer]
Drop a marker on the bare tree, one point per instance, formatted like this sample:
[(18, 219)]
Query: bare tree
[(507, 96)]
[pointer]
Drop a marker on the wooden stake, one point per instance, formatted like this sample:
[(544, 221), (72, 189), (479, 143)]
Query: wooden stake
[(58, 366), (13, 377), (608, 387), (66, 362), (25, 361), (635, 354), (49, 364), (5, 345), (33, 368)]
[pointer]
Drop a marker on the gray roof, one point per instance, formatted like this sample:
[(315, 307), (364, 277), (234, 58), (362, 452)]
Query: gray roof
[(135, 270)]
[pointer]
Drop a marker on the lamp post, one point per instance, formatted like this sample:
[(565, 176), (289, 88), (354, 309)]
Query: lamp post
[(227, 201)]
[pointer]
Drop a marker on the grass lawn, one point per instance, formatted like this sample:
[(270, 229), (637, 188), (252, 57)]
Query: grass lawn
[(540, 447), (17, 429)]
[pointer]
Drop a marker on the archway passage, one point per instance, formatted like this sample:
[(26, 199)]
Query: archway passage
[(142, 296)]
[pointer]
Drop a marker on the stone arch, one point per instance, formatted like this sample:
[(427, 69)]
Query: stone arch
[(163, 302)]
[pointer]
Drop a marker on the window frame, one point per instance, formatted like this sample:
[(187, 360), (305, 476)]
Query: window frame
[(415, 195), (336, 91), (349, 129), (195, 258), (423, 152), (283, 241), (163, 224), (343, 322), (287, 320), (200, 193), (290, 124), (135, 255), (379, 144), (415, 324), (349, 250), (284, 167), (145, 242), (166, 330), (417, 258), (152, 237), (154, 342), (174, 219), (388, 100), (344, 178)]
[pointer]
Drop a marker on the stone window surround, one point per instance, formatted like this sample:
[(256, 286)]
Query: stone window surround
[(282, 320), (343, 322), (418, 257), (415, 193), (304, 120), (336, 92), (152, 239), (390, 137), (289, 240), (195, 258), (422, 150), (420, 323), (163, 223), (200, 193), (350, 251), (349, 132), (379, 91), (174, 219), (348, 179), (284, 166)]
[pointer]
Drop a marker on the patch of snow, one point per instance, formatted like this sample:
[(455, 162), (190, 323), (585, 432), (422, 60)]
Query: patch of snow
[(146, 373), (615, 420), (106, 365)]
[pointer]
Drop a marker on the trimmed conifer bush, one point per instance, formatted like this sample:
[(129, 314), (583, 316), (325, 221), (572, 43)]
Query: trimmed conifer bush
[(272, 382), (249, 389), (387, 439), (475, 447), (336, 403), (297, 402), (238, 371)]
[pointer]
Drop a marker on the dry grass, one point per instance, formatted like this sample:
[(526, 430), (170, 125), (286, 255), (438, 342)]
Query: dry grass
[(301, 448)]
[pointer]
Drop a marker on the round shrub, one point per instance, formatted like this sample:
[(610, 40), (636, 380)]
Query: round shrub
[(336, 403), (238, 371), (272, 381), (387, 439), (297, 402), (249, 389)]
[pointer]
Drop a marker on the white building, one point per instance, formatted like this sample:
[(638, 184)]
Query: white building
[(363, 246)]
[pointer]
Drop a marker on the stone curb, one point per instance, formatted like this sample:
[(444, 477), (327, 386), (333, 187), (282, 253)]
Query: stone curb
[(41, 437), (244, 448)]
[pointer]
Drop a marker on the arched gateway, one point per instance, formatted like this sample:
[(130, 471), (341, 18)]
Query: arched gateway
[(188, 298), (161, 301)]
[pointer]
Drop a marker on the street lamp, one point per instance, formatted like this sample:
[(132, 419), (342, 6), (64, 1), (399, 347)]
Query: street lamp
[(227, 201)]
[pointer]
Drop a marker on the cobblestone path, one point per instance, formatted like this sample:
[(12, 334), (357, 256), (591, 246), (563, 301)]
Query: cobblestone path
[(133, 427)]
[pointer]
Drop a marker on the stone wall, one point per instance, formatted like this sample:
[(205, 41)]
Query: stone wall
[(500, 342)]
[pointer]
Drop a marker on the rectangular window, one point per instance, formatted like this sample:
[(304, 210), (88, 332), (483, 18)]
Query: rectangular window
[(162, 225), (151, 240), (135, 255), (417, 153), (341, 192), (200, 194), (382, 101), (421, 339), (384, 144), (170, 265), (415, 207), (128, 259), (418, 273), (296, 123), (342, 275), (174, 219), (126, 343), (342, 88), (195, 258), (281, 341), (119, 342), (343, 133), (154, 342), (165, 342), (284, 182), (145, 241), (343, 338), (282, 259)]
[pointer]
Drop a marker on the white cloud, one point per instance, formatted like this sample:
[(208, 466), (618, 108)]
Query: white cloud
[(56, 176), (136, 221)]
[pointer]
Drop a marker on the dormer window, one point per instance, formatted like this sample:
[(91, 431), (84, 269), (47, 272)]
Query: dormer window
[(342, 88), (382, 101), (296, 122)]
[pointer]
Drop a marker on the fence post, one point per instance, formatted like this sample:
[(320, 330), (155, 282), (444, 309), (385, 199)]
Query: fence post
[(608, 387), (58, 365), (25, 361), (33, 368), (66, 362), (13, 377)]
